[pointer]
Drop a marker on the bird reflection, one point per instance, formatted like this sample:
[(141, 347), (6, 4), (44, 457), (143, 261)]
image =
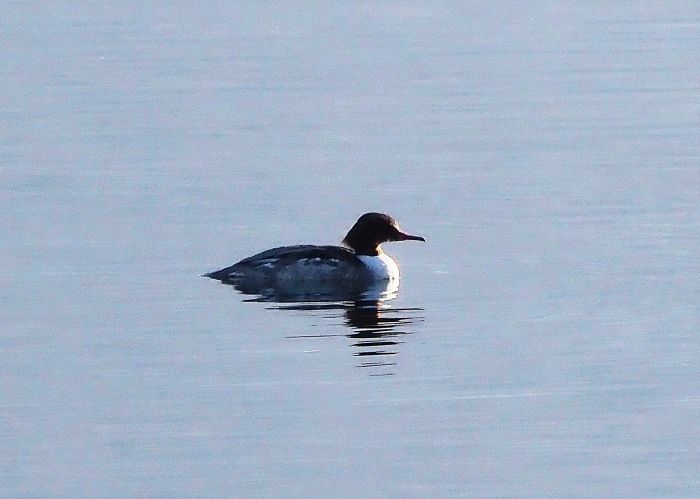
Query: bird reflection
[(377, 331), (376, 328)]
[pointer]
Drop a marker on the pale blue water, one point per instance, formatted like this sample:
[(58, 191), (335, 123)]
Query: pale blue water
[(543, 343)]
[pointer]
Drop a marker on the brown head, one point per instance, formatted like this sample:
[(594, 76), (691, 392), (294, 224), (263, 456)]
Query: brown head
[(373, 229)]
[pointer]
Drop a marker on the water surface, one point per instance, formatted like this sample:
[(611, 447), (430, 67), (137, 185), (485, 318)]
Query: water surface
[(543, 342)]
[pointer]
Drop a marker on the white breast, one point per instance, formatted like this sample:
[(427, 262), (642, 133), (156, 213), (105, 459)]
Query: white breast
[(381, 266)]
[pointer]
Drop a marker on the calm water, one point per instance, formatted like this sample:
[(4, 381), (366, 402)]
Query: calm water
[(543, 343)]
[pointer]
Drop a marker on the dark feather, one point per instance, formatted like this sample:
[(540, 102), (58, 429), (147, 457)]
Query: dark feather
[(266, 264)]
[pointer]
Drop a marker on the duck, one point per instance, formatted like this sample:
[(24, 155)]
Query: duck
[(360, 259)]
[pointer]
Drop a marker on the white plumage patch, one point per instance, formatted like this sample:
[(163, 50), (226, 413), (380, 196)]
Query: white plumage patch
[(381, 266)]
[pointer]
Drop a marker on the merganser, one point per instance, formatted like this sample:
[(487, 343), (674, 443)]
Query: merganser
[(360, 261)]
